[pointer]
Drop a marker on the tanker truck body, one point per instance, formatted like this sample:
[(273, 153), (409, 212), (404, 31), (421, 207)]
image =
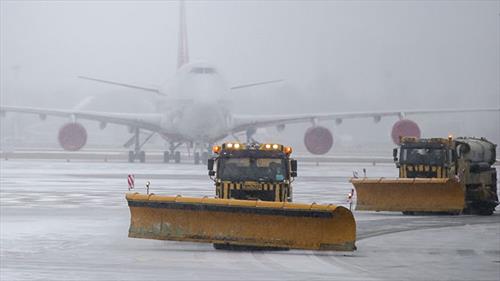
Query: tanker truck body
[(436, 175)]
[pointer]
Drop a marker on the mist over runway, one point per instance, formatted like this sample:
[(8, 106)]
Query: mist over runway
[(330, 56)]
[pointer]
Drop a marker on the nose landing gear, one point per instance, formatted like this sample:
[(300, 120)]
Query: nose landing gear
[(172, 154), (200, 157)]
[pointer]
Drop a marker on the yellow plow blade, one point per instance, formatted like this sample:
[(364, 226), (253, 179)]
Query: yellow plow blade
[(242, 222), (409, 194)]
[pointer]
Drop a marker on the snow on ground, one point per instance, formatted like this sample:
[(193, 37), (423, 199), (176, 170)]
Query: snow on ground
[(69, 221)]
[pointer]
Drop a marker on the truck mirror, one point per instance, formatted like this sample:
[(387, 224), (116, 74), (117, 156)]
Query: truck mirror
[(210, 164), (211, 173), (459, 151), (293, 167), (395, 154)]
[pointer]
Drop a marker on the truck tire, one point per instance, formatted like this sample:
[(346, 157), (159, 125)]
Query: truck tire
[(486, 212)]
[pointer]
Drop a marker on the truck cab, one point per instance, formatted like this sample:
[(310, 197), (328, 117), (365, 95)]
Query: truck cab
[(253, 171), (426, 158)]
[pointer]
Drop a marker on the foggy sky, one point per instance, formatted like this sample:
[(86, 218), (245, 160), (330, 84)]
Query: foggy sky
[(334, 56)]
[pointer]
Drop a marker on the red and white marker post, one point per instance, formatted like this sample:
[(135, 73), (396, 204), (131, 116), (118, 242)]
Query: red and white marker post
[(131, 182)]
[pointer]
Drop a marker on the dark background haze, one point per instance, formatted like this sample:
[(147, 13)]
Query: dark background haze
[(335, 56)]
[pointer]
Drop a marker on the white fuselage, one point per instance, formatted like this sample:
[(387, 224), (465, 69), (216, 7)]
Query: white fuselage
[(195, 106)]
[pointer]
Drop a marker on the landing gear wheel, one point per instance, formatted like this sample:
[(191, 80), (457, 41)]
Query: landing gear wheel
[(142, 156), (177, 157), (196, 158), (131, 156), (204, 158), (166, 157)]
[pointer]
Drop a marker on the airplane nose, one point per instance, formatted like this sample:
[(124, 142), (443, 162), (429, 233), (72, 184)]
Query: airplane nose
[(203, 121)]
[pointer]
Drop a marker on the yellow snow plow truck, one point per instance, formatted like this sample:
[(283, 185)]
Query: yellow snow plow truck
[(437, 175), (252, 207)]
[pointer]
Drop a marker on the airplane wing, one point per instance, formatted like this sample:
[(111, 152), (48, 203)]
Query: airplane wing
[(148, 121), (244, 122), (255, 84), (126, 85)]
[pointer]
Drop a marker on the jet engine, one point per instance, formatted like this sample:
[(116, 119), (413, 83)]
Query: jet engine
[(72, 136), (318, 140), (404, 128)]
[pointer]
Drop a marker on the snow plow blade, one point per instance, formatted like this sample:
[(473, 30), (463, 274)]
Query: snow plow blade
[(409, 195), (242, 222)]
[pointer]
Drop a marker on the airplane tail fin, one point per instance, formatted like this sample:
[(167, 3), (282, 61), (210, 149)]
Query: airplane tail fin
[(182, 51)]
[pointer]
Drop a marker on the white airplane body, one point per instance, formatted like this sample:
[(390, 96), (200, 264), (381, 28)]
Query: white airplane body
[(195, 110)]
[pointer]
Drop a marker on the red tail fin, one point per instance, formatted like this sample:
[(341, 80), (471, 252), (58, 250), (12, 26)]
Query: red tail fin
[(182, 51)]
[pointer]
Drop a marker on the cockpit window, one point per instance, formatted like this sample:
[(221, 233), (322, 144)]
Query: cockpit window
[(203, 70)]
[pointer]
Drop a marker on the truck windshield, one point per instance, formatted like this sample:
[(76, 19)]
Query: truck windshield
[(427, 156), (252, 169)]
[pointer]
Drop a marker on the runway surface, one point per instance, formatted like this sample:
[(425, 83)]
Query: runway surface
[(69, 221)]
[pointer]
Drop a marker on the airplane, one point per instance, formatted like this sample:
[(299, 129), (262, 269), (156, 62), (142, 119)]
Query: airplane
[(194, 111)]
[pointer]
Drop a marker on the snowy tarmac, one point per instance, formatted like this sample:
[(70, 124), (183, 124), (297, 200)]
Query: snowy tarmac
[(69, 221)]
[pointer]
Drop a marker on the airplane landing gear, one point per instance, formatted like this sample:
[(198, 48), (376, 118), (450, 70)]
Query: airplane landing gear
[(196, 158), (172, 154), (177, 157), (137, 153), (203, 156), (141, 155)]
